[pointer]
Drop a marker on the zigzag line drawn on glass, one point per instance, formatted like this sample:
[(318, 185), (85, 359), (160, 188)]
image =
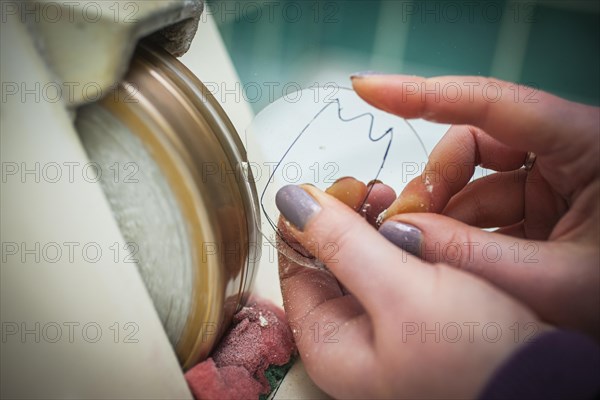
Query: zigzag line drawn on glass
[(388, 134)]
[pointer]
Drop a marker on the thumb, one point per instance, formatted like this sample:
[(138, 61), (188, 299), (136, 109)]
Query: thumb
[(363, 261), (555, 278), (438, 238), (522, 267)]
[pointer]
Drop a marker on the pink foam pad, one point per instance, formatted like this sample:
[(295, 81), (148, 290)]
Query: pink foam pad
[(259, 337)]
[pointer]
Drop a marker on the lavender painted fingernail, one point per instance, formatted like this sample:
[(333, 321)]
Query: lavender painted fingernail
[(407, 237), (296, 205)]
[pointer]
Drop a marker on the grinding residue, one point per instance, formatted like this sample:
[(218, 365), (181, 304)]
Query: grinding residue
[(380, 218), (428, 185), (146, 211), (262, 320)]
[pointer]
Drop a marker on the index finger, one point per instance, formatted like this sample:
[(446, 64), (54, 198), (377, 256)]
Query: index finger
[(516, 115)]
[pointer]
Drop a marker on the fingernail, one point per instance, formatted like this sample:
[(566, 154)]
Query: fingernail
[(364, 74), (296, 205), (407, 237)]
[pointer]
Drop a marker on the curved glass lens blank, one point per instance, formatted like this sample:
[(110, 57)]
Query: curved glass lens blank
[(318, 136)]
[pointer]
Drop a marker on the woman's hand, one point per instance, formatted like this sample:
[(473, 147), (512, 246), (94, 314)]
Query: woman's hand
[(546, 252), (408, 329)]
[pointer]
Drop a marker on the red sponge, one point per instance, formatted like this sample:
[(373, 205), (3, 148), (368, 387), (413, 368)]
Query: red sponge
[(260, 337), (209, 382)]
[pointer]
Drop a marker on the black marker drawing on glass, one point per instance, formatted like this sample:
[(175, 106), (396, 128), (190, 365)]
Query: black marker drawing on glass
[(357, 142)]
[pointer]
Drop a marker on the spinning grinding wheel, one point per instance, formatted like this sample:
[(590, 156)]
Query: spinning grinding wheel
[(184, 197)]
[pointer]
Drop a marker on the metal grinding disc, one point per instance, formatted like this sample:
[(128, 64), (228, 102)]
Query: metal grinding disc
[(176, 175)]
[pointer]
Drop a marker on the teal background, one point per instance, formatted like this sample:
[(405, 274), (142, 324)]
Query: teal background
[(279, 45)]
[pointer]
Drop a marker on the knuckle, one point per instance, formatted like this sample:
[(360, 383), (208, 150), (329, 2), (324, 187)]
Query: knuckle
[(459, 251)]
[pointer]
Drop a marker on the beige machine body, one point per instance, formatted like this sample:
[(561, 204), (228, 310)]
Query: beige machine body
[(77, 319)]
